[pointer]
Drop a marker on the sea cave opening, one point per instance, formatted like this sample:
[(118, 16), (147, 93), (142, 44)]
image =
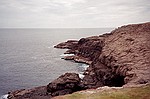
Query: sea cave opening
[(116, 81)]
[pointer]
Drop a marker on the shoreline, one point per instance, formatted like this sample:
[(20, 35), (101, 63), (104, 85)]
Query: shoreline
[(114, 60)]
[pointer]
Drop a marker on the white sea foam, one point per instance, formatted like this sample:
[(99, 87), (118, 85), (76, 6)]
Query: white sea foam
[(81, 76), (4, 96), (67, 55), (85, 66)]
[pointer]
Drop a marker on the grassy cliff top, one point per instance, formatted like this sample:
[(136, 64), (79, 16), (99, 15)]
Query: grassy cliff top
[(142, 92)]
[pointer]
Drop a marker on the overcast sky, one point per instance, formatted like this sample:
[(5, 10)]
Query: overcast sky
[(72, 13)]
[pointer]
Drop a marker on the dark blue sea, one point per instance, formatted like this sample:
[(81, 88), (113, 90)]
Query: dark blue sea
[(28, 59)]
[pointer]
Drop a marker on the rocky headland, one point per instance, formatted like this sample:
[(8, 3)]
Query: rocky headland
[(116, 59)]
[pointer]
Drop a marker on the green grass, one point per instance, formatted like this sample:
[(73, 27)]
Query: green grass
[(124, 93)]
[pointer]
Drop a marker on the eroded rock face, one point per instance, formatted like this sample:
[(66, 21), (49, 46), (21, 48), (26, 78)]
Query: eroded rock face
[(85, 50), (65, 84), (70, 44), (119, 58), (34, 93), (130, 47)]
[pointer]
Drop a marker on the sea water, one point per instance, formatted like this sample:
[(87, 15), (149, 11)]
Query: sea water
[(28, 59)]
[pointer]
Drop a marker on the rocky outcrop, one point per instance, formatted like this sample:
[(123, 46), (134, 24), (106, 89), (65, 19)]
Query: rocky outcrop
[(34, 93), (119, 58), (65, 84), (70, 44), (85, 50), (130, 47)]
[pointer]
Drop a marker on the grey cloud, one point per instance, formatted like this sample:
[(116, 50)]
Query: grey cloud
[(72, 13)]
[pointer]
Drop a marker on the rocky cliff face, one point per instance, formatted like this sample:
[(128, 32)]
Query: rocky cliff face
[(130, 48), (120, 58)]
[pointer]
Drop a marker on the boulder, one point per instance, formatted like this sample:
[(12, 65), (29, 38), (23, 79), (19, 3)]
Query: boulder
[(65, 84), (34, 93)]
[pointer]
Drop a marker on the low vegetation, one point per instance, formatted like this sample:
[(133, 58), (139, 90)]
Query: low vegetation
[(123, 93)]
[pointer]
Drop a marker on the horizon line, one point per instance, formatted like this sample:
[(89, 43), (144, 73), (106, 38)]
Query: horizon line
[(53, 28)]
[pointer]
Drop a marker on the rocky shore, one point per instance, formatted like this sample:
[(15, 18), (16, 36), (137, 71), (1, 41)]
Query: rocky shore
[(116, 59)]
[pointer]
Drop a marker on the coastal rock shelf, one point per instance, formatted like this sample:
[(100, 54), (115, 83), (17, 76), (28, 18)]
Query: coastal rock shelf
[(116, 59)]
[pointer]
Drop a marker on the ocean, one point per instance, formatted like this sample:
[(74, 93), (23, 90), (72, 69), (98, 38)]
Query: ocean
[(28, 59)]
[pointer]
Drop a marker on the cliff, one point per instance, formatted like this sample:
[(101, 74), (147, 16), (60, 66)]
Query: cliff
[(123, 56), (119, 58)]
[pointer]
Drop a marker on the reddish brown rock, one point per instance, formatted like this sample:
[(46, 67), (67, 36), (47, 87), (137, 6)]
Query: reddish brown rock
[(78, 59), (65, 84), (34, 93), (120, 58), (130, 47), (70, 44)]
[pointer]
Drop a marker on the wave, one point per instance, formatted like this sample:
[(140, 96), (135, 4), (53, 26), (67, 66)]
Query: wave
[(4, 96), (85, 66), (81, 76), (67, 55)]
